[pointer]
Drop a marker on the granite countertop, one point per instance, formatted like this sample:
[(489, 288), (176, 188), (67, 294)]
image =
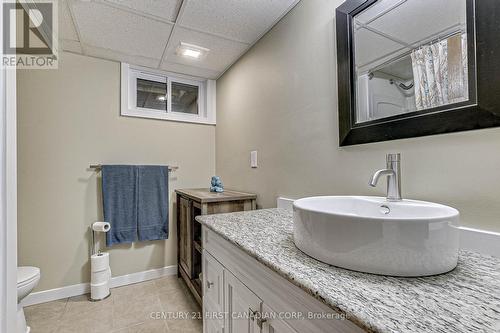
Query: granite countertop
[(466, 299)]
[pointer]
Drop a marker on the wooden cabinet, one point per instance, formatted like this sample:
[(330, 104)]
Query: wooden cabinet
[(194, 202), (184, 232)]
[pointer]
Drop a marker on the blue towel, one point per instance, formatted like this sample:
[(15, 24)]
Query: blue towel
[(135, 202), (119, 198), (152, 207)]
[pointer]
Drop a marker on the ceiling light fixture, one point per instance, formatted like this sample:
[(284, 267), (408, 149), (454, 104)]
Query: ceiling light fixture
[(191, 51)]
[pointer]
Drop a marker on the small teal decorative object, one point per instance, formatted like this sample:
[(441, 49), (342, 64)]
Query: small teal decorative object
[(216, 185)]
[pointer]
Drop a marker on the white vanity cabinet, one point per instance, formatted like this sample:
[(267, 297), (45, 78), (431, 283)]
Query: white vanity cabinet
[(241, 305), (241, 295), (229, 306), (273, 325)]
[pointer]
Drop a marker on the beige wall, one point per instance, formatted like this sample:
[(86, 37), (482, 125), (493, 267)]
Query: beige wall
[(67, 119), (281, 99)]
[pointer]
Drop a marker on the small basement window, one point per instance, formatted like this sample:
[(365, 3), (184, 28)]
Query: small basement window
[(160, 95)]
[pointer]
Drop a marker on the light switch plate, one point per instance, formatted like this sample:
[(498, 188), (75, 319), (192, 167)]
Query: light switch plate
[(253, 159)]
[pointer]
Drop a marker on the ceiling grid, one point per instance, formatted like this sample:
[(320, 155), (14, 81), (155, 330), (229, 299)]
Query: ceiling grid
[(148, 32)]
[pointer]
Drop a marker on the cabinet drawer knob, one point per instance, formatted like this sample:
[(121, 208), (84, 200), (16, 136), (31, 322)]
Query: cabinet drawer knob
[(209, 284)]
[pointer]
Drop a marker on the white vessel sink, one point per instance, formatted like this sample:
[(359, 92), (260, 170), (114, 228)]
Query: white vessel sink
[(373, 235)]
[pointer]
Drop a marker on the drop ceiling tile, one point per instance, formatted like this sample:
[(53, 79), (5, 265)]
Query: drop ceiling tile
[(375, 10), (113, 55), (190, 70), (412, 22), (222, 52), (243, 20), (166, 9), (66, 27), (110, 28)]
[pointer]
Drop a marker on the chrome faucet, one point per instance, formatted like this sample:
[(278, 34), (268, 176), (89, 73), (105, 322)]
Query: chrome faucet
[(393, 173)]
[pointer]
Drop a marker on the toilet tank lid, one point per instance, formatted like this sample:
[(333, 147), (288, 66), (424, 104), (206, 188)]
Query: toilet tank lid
[(26, 273)]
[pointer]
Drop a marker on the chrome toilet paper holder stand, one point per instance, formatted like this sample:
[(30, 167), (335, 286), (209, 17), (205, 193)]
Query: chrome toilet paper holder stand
[(99, 253), (93, 231), (93, 242)]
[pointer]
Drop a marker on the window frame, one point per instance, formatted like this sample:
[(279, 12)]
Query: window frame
[(132, 100), (129, 108)]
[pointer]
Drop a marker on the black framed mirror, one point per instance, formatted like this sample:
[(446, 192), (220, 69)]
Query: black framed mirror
[(409, 68)]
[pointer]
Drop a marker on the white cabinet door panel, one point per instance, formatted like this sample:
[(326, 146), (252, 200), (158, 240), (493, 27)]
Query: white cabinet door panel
[(211, 325), (241, 306), (213, 297), (212, 283)]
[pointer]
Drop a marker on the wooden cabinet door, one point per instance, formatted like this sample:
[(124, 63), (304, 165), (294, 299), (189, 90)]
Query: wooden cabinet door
[(272, 324), (213, 296), (241, 305), (185, 235)]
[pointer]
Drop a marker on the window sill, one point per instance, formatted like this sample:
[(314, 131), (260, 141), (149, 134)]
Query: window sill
[(167, 116)]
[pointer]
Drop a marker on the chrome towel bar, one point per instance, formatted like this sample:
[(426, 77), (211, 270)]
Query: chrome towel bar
[(98, 167)]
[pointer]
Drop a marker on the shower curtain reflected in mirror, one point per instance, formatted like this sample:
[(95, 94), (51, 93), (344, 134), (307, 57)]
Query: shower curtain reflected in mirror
[(440, 72)]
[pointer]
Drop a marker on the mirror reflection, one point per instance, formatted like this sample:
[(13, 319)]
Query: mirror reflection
[(410, 55)]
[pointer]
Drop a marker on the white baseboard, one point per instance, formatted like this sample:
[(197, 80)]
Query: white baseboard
[(124, 280), (84, 288), (55, 294), (477, 240)]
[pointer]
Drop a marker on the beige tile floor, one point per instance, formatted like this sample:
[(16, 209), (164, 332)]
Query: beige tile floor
[(147, 307)]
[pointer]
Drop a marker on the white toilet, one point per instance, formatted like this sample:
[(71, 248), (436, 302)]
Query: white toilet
[(27, 279)]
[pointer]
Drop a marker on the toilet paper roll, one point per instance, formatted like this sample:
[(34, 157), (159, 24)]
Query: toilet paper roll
[(99, 277), (99, 291), (101, 226), (99, 262)]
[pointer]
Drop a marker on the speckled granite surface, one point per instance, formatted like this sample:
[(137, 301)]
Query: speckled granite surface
[(464, 300)]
